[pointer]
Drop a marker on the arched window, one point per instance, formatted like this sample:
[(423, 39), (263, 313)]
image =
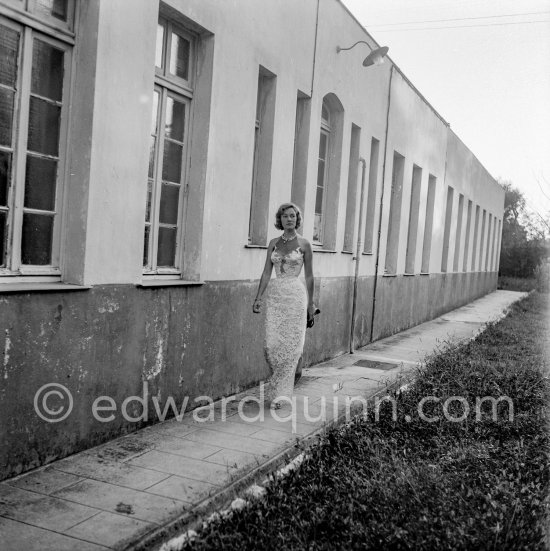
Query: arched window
[(322, 174), (328, 173)]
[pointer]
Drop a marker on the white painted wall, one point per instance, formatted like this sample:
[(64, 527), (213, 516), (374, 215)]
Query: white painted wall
[(281, 37)]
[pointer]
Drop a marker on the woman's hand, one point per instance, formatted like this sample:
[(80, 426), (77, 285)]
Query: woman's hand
[(257, 306), (310, 310)]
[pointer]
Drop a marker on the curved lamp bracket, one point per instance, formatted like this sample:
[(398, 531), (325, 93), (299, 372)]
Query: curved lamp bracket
[(376, 56)]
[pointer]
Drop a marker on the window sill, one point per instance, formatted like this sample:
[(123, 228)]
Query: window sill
[(366, 254), (389, 275), (424, 273), (324, 250), (409, 274), (347, 252), (248, 246), (169, 283), (41, 287)]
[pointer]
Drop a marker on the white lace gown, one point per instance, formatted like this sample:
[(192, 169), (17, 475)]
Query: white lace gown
[(285, 322)]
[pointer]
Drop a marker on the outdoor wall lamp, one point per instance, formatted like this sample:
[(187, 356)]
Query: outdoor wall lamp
[(376, 56)]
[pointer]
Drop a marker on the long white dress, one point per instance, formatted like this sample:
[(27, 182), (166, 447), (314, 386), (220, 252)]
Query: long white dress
[(285, 322)]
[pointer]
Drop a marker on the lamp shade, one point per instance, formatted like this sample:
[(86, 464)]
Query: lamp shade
[(376, 57)]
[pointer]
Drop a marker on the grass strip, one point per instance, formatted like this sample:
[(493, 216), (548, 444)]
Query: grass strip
[(401, 482)]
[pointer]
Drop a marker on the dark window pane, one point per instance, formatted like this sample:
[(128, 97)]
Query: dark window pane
[(167, 247), (55, 8), (160, 46), (319, 201), (6, 116), (3, 232), (47, 71), (317, 228), (323, 146), (175, 119), (152, 144), (321, 173), (171, 164), (44, 127), (325, 116), (40, 181), (146, 246), (155, 114), (5, 177), (149, 200), (9, 46), (36, 245), (179, 56), (169, 197)]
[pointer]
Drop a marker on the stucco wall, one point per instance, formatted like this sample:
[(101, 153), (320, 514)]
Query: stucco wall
[(203, 339), (182, 341)]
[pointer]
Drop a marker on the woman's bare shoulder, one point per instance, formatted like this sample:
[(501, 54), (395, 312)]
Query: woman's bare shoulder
[(272, 243), (304, 243)]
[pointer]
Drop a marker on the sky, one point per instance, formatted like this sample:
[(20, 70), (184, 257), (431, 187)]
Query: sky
[(488, 77)]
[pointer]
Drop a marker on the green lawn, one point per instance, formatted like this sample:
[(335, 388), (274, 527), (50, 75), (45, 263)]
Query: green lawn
[(413, 484)]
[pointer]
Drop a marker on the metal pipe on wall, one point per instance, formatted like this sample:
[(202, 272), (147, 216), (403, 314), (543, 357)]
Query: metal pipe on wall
[(381, 207), (357, 254)]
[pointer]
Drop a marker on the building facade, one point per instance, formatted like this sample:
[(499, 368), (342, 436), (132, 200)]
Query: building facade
[(144, 149)]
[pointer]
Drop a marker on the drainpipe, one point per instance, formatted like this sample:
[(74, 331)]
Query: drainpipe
[(380, 211), (357, 254)]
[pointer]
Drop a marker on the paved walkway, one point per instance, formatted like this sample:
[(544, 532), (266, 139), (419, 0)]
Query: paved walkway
[(111, 496)]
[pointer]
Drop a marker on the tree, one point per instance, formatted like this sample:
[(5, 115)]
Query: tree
[(524, 235)]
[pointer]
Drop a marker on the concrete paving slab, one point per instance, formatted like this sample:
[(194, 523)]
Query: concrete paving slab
[(18, 536), (184, 489), (168, 463), (236, 459), (40, 510), (115, 499), (109, 529), (44, 481), (108, 470), (230, 441)]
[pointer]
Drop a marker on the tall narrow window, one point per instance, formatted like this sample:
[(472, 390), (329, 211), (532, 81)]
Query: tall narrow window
[(489, 239), (459, 216), (394, 223), (495, 240), (499, 238), (475, 241), (261, 163), (34, 76), (488, 247), (329, 163), (301, 146), (467, 237), (353, 171), (167, 181), (447, 230), (322, 174), (371, 197), (412, 235), (481, 242), (428, 226)]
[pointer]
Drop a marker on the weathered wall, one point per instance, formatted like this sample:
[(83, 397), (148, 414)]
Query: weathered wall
[(203, 339), (182, 341)]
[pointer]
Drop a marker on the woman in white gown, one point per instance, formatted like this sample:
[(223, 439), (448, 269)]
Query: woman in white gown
[(289, 303)]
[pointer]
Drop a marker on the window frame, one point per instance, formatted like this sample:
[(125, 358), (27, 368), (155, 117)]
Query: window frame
[(24, 11), (325, 130), (167, 86), (20, 131)]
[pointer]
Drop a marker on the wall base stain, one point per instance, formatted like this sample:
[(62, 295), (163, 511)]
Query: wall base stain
[(183, 341)]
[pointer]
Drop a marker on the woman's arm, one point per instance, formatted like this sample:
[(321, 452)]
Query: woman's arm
[(264, 280), (308, 270)]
